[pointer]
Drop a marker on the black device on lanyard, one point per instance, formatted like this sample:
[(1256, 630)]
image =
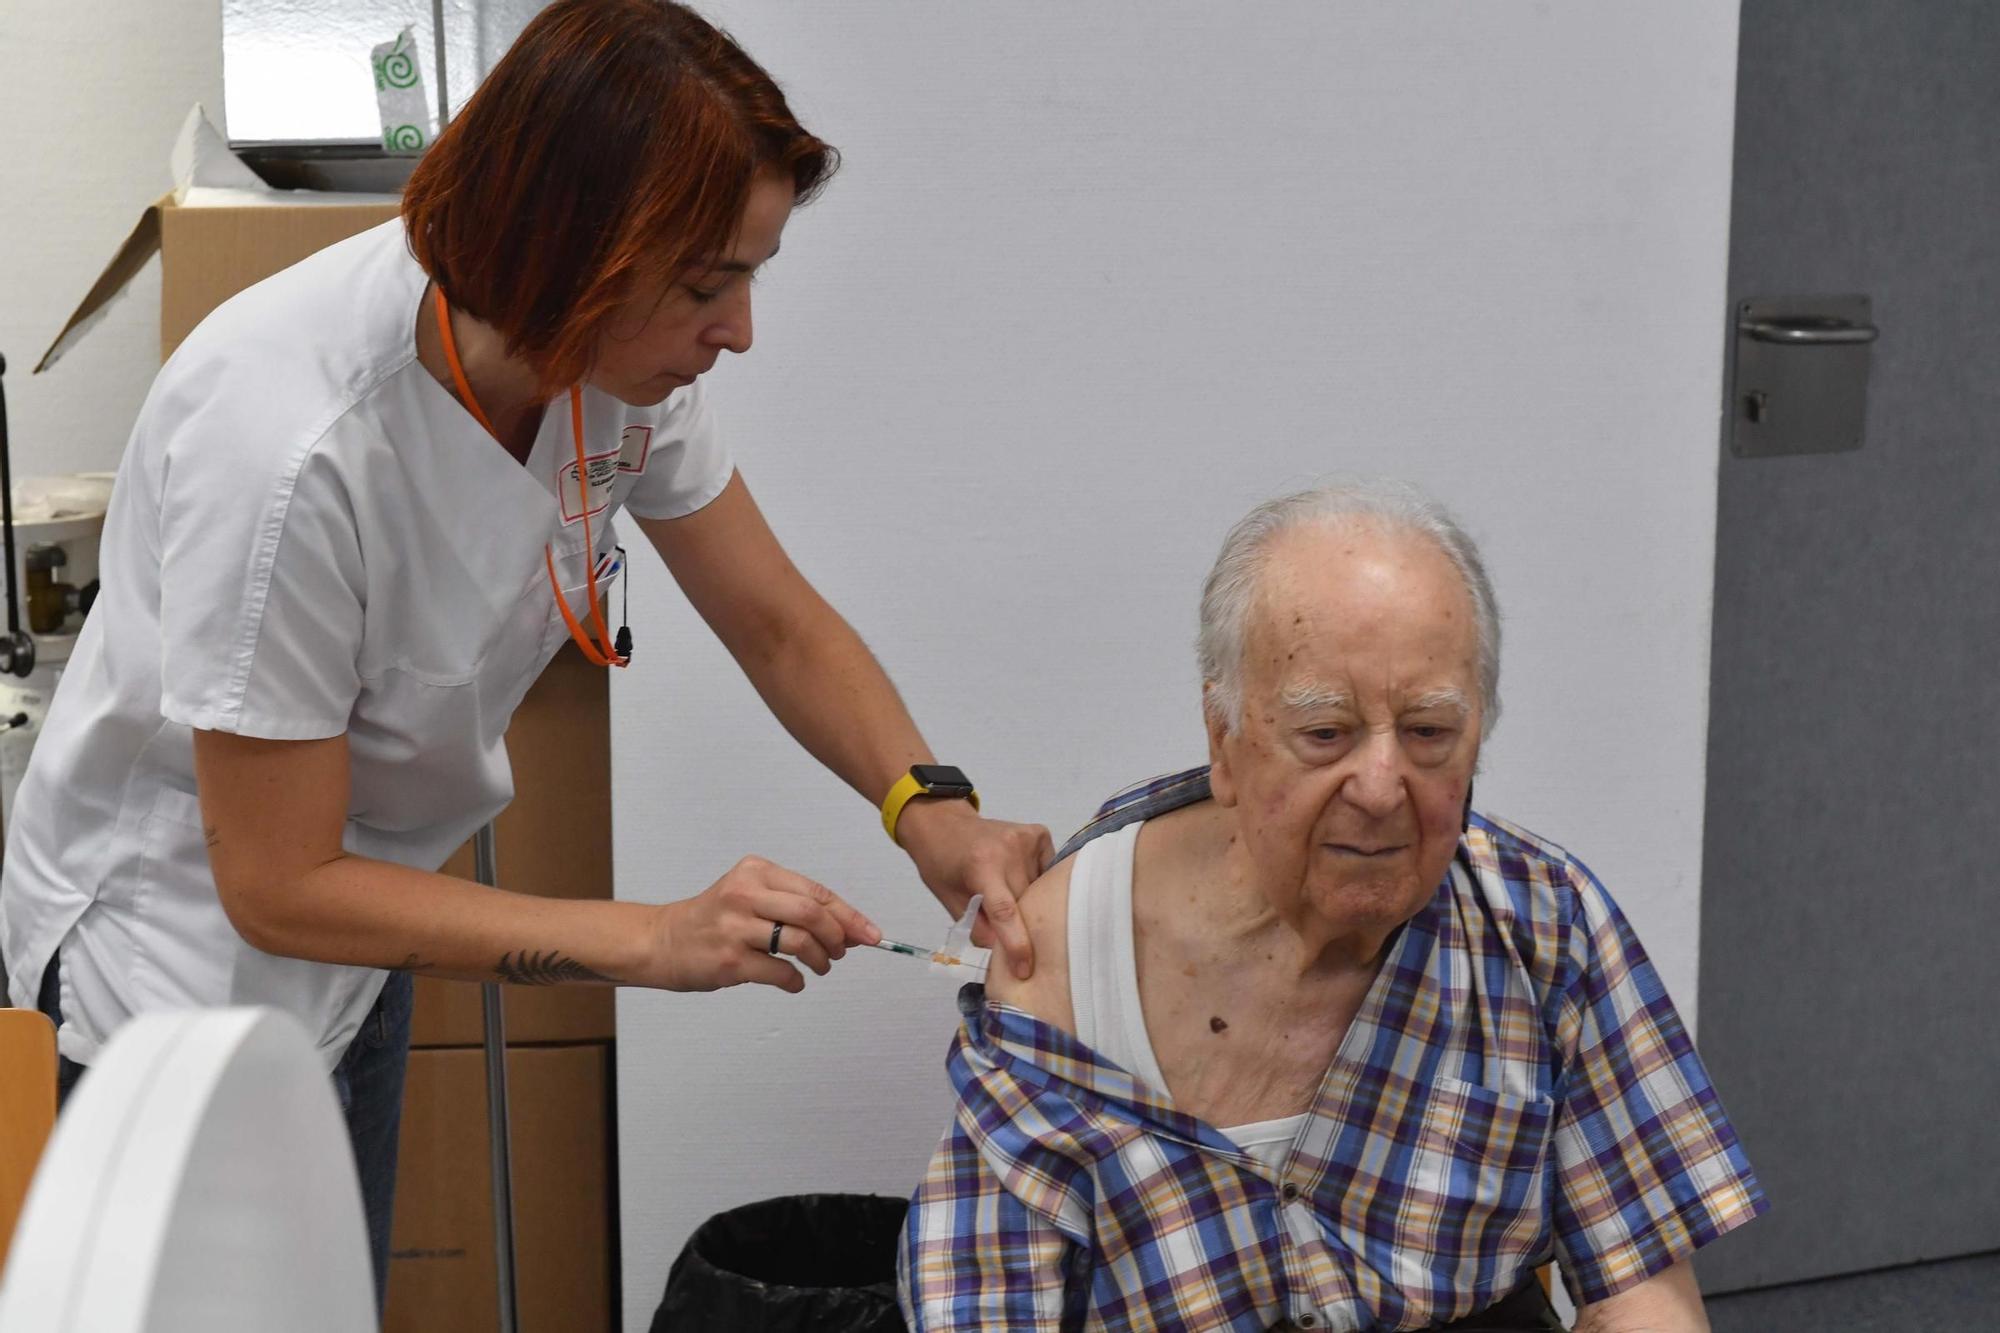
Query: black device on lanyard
[(622, 642)]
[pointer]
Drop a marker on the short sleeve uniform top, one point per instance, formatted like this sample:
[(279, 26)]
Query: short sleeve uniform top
[(308, 537)]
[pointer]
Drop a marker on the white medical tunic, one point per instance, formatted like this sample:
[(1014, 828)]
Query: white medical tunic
[(308, 536)]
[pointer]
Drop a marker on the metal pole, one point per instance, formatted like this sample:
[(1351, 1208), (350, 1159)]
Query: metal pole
[(485, 868), (17, 650), (437, 45)]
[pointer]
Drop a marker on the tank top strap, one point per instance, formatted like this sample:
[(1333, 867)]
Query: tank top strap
[(1103, 962)]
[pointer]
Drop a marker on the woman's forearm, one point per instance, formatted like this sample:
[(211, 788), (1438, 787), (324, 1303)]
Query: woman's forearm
[(370, 913), (823, 685), (804, 660)]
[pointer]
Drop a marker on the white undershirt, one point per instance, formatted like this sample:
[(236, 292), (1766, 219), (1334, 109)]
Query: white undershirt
[(1104, 983)]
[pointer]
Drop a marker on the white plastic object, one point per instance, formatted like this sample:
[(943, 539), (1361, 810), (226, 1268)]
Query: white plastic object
[(200, 1178), (958, 944)]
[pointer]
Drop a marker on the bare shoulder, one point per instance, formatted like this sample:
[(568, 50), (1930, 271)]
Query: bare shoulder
[(1045, 912)]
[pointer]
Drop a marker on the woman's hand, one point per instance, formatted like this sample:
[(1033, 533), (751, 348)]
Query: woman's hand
[(722, 936), (959, 853)]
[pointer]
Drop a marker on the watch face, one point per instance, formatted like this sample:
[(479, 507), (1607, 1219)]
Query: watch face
[(942, 779)]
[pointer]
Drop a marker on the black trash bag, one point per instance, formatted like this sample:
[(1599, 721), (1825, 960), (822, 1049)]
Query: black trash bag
[(803, 1263)]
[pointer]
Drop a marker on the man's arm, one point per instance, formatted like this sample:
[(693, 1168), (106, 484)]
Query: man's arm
[(1648, 1169), (1667, 1302), (1045, 918)]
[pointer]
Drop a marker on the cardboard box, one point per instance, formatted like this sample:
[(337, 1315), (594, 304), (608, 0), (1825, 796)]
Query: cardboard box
[(441, 1268), (554, 840), (210, 253)]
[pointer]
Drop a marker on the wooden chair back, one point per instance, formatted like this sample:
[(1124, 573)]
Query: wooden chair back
[(27, 1108)]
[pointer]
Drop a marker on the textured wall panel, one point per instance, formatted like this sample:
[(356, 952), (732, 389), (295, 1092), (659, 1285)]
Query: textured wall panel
[(1849, 904)]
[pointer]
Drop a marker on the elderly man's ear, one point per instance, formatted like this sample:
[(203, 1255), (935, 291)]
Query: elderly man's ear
[(1221, 782)]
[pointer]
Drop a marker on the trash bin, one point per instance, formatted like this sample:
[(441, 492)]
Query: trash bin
[(803, 1263)]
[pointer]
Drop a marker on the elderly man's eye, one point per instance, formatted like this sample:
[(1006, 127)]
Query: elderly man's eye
[(1326, 735), (1429, 732)]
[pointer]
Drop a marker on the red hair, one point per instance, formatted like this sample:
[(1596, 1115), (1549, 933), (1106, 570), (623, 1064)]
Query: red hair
[(614, 142)]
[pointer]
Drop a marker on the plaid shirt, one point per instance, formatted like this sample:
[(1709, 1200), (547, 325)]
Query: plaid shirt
[(1515, 1087)]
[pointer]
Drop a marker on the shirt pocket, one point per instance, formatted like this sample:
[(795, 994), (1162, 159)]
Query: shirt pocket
[(172, 851), (429, 719), (1477, 1182)]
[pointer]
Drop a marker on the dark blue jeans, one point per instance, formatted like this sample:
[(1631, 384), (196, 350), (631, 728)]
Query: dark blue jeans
[(369, 1083)]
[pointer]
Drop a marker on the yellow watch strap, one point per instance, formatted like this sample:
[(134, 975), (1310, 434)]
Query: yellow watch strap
[(906, 789)]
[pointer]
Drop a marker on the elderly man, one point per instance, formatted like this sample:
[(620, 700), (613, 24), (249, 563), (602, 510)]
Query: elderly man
[(1310, 1044)]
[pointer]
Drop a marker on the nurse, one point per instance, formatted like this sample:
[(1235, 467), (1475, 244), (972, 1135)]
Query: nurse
[(363, 506)]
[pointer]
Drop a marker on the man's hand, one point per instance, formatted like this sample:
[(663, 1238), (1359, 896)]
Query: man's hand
[(958, 853)]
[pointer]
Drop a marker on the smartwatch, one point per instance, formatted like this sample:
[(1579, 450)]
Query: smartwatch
[(941, 781)]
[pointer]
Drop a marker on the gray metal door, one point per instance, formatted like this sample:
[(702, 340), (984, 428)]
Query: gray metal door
[(1850, 990)]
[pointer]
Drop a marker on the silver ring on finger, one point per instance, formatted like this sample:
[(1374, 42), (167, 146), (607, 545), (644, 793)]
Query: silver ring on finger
[(777, 929)]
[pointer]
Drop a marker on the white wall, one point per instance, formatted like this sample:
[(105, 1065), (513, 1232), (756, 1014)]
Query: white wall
[(91, 96), (1095, 280), (1092, 283)]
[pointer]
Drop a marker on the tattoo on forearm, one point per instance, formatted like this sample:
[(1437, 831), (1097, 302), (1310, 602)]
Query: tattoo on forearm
[(210, 834), (542, 969)]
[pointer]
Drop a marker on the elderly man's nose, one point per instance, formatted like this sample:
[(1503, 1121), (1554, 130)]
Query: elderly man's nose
[(1376, 784)]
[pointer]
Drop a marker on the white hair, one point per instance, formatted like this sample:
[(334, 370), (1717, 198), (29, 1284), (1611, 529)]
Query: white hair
[(1231, 587)]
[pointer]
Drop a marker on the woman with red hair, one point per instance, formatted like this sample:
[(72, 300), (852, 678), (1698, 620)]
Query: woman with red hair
[(366, 502)]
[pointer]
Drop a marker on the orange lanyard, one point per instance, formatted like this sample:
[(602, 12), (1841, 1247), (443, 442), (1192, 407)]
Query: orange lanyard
[(596, 650)]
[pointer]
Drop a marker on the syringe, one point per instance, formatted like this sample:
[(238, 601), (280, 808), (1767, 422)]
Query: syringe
[(958, 950)]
